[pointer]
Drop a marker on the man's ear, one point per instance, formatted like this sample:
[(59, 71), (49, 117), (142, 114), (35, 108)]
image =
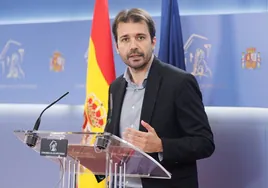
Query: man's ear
[(154, 42)]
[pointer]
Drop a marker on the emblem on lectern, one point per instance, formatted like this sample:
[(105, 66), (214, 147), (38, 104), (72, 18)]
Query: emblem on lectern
[(53, 146)]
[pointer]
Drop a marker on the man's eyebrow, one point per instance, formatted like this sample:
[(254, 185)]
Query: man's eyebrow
[(141, 34), (124, 36), (138, 34)]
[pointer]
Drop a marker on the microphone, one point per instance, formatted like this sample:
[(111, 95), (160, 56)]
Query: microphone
[(103, 142), (32, 138), (111, 110)]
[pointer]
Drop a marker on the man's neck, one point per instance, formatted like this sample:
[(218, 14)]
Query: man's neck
[(138, 76)]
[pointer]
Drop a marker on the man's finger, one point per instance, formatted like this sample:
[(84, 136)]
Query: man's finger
[(135, 132), (147, 126), (137, 144), (134, 138)]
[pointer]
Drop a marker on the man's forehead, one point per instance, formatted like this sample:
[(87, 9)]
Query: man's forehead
[(131, 28)]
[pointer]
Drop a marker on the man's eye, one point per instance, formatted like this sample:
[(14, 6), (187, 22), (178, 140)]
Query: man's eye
[(141, 38), (124, 40)]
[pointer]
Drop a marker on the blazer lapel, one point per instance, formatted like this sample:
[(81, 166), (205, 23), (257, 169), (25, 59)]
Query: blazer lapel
[(151, 92), (118, 100)]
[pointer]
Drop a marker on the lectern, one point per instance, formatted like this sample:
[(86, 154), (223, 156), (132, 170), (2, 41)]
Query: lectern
[(102, 154)]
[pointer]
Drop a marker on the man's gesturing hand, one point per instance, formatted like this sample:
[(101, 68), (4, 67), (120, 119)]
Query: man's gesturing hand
[(147, 141)]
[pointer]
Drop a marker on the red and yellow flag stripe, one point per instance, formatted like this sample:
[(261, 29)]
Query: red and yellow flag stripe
[(100, 74)]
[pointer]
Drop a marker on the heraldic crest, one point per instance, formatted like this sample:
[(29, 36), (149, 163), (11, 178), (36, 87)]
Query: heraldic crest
[(95, 112)]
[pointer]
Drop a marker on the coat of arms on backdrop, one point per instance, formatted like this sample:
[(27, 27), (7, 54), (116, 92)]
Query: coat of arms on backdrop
[(251, 59), (57, 62)]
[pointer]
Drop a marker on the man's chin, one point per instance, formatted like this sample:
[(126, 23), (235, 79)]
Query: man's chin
[(137, 67)]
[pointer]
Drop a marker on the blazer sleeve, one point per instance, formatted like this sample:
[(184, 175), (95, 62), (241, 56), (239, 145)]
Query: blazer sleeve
[(197, 142)]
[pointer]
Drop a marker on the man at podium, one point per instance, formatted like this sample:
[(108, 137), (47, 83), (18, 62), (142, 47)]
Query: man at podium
[(156, 106)]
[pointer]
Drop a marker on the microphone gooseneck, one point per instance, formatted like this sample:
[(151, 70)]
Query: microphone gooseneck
[(32, 137)]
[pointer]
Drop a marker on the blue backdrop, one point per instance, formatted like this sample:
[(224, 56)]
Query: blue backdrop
[(214, 47)]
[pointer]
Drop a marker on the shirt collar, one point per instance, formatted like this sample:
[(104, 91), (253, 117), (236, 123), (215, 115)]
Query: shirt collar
[(127, 75)]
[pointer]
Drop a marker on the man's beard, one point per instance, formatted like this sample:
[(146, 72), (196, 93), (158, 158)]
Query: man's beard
[(134, 66)]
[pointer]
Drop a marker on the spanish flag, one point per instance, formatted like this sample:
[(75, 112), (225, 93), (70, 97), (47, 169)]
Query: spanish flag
[(100, 74)]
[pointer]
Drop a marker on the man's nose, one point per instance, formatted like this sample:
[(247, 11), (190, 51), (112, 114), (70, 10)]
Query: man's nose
[(133, 44)]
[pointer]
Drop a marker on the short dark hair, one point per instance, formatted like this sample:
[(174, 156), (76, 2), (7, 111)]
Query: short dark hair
[(133, 15)]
